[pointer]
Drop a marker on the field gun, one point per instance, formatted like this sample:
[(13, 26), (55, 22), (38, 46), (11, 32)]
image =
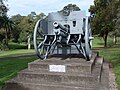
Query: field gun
[(64, 32)]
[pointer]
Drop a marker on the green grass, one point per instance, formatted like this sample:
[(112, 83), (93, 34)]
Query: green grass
[(16, 52), (13, 45), (113, 56), (9, 68), (17, 46), (98, 42)]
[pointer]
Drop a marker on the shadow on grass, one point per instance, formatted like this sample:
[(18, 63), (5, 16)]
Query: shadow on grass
[(100, 43), (17, 46)]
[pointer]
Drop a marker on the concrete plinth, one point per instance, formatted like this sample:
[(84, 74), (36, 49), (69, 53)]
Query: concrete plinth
[(76, 74)]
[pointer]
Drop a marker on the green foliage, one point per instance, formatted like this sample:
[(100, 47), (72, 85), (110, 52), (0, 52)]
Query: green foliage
[(98, 42), (18, 31), (3, 45), (13, 46), (3, 8), (2, 36), (103, 13), (24, 26), (23, 37), (117, 21), (71, 7), (7, 26)]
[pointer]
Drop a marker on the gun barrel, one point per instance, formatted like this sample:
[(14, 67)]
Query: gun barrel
[(58, 25)]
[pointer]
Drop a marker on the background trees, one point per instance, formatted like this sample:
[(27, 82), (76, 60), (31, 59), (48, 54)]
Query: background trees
[(117, 20), (7, 25), (24, 27), (71, 7), (3, 8), (105, 18), (103, 14), (5, 22)]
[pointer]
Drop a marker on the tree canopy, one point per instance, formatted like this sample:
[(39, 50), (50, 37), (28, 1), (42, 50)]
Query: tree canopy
[(3, 8), (103, 14), (117, 21), (71, 7)]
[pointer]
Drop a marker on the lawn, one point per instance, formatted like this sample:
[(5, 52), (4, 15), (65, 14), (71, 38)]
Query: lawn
[(12, 45), (16, 52), (98, 42), (112, 55), (9, 68)]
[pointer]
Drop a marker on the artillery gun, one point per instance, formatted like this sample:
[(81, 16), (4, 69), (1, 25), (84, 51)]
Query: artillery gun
[(64, 32)]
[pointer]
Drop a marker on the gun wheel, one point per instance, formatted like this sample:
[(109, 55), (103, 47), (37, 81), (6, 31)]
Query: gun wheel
[(39, 39), (88, 40)]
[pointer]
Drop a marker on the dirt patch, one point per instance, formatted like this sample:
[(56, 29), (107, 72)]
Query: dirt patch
[(112, 83)]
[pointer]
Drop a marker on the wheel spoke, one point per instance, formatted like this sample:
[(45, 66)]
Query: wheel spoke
[(39, 45), (40, 33), (41, 49)]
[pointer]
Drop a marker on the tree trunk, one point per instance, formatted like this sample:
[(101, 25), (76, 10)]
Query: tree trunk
[(114, 39), (29, 46), (6, 37), (105, 39)]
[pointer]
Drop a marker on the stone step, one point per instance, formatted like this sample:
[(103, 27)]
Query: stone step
[(97, 70), (71, 78), (71, 64), (104, 84), (77, 78), (24, 85), (69, 67)]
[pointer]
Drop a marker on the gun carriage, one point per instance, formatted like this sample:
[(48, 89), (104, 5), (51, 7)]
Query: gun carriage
[(63, 32)]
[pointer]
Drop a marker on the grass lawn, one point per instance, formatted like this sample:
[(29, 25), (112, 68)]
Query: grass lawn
[(12, 45), (16, 52), (113, 56), (98, 42), (9, 68)]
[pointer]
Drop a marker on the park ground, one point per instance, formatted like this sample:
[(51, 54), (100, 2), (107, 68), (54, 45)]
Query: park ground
[(10, 67)]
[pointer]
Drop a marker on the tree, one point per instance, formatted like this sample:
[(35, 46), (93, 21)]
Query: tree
[(7, 26), (17, 19), (71, 7), (25, 26), (117, 23), (3, 11), (103, 15), (3, 8), (5, 23)]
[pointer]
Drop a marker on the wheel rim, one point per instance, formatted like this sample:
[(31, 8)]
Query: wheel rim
[(39, 39), (88, 40)]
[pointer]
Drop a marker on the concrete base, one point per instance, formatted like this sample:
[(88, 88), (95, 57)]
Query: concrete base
[(79, 75)]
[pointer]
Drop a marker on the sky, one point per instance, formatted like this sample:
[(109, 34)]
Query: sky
[(24, 7)]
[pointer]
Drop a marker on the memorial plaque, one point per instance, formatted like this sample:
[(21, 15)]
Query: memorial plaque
[(57, 68)]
